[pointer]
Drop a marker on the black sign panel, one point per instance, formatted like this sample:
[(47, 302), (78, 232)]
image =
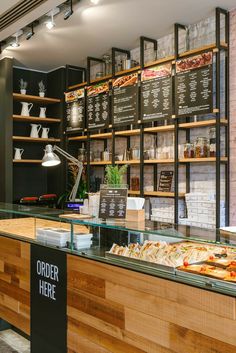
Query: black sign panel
[(98, 107), (194, 85), (156, 93), (113, 203), (48, 300), (125, 100), (75, 110), (165, 181)]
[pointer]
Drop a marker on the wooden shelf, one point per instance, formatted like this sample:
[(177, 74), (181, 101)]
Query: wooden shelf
[(203, 48), (204, 123), (35, 99), (133, 192), (123, 72), (133, 161), (78, 138), (104, 78), (32, 139), (28, 161), (156, 193), (162, 194), (160, 61), (160, 128), (101, 136), (22, 118), (202, 160), (159, 161), (99, 163), (79, 85), (134, 132)]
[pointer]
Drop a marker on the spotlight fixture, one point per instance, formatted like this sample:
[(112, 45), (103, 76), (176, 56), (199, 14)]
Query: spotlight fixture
[(69, 11), (50, 23), (2, 43), (94, 2), (31, 33), (16, 43)]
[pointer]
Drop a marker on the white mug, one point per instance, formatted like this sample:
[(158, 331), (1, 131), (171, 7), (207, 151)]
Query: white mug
[(42, 113), (18, 153), (45, 131)]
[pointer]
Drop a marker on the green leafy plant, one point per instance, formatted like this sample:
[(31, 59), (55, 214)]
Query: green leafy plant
[(114, 175)]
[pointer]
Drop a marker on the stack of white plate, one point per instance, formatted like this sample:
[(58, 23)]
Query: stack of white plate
[(82, 241), (53, 236)]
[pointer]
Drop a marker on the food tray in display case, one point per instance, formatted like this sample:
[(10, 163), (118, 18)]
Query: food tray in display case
[(140, 263), (185, 255), (205, 281)]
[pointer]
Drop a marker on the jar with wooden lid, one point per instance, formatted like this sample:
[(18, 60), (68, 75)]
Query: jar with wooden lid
[(202, 147)]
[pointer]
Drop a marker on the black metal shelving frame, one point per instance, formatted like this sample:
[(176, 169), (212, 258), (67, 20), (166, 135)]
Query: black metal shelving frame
[(217, 49)]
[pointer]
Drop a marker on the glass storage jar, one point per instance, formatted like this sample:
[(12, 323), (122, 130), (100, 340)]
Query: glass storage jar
[(212, 137), (201, 147), (188, 150)]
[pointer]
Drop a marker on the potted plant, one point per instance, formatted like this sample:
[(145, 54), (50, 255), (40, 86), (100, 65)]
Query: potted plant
[(114, 175), (23, 86), (42, 89)]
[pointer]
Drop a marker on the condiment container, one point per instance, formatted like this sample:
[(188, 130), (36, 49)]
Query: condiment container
[(135, 184), (212, 137), (202, 147), (99, 74), (82, 154), (188, 150), (135, 153)]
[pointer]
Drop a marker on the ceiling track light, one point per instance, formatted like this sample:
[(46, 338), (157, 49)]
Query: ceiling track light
[(69, 11), (16, 43), (31, 33), (50, 23), (2, 43)]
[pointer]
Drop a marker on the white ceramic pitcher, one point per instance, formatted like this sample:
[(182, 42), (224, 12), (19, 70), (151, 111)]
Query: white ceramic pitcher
[(45, 131), (42, 113), (18, 153), (35, 128), (26, 108)]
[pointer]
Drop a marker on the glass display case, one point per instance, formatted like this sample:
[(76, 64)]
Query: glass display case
[(195, 256)]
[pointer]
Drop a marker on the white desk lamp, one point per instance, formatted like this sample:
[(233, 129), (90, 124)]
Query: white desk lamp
[(51, 159)]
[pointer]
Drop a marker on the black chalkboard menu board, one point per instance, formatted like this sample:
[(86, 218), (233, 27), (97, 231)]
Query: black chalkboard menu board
[(113, 203), (98, 106), (75, 110), (194, 85), (165, 181), (125, 100), (156, 92)]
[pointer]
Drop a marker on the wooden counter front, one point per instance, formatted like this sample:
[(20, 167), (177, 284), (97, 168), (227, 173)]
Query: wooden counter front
[(114, 310), (15, 283), (111, 309)]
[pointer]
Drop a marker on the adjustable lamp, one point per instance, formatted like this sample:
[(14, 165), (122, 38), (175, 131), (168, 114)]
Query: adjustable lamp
[(51, 159)]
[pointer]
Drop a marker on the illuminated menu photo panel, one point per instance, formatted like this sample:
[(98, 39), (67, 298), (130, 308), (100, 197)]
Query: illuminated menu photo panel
[(194, 85), (98, 107), (156, 92), (75, 110), (125, 100), (48, 300)]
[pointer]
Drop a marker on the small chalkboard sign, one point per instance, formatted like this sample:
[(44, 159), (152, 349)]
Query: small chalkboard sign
[(165, 181), (113, 203)]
